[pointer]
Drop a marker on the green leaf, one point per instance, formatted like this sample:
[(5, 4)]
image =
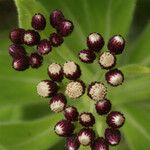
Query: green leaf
[(140, 52), (29, 135)]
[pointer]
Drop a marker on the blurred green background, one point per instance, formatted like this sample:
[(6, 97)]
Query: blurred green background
[(25, 120)]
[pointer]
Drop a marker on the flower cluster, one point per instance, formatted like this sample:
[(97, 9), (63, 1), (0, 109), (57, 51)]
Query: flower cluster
[(73, 88), (107, 60), (31, 37)]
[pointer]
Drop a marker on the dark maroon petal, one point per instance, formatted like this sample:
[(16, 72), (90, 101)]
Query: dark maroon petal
[(55, 72), (17, 51), (113, 136), (35, 60), (116, 44), (44, 47), (115, 119), (16, 35), (47, 88), (31, 37), (38, 22), (58, 102), (114, 77), (75, 89), (100, 144), (103, 106), (87, 119), (65, 28), (71, 113), (86, 136), (97, 91), (87, 56), (56, 39), (21, 63), (71, 70), (64, 128), (72, 143), (95, 42), (56, 17), (107, 60)]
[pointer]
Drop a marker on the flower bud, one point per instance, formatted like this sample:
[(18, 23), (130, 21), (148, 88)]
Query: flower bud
[(58, 102), (31, 37), (103, 106), (64, 128), (87, 119), (100, 144), (72, 143), (56, 17), (86, 136), (17, 51), (38, 22), (115, 119), (87, 56), (47, 88), (97, 91), (75, 89), (56, 39), (71, 70), (113, 136), (21, 63), (107, 60), (55, 72), (16, 35), (116, 44), (44, 47), (71, 113), (35, 60), (114, 77), (65, 28), (95, 42)]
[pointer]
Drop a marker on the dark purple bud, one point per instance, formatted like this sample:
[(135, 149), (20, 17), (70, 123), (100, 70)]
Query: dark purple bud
[(95, 42), (75, 89), (38, 22), (87, 56), (64, 128), (103, 106), (114, 77), (97, 91), (17, 51), (44, 47), (56, 39), (107, 60), (87, 119), (65, 28), (113, 136), (21, 63), (56, 17), (58, 102), (55, 72), (72, 143), (115, 119), (35, 60), (100, 144), (86, 136), (71, 113), (71, 70), (16, 35), (47, 88), (31, 37), (116, 44)]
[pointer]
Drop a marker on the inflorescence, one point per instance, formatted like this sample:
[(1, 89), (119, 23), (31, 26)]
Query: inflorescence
[(74, 87), (32, 38)]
